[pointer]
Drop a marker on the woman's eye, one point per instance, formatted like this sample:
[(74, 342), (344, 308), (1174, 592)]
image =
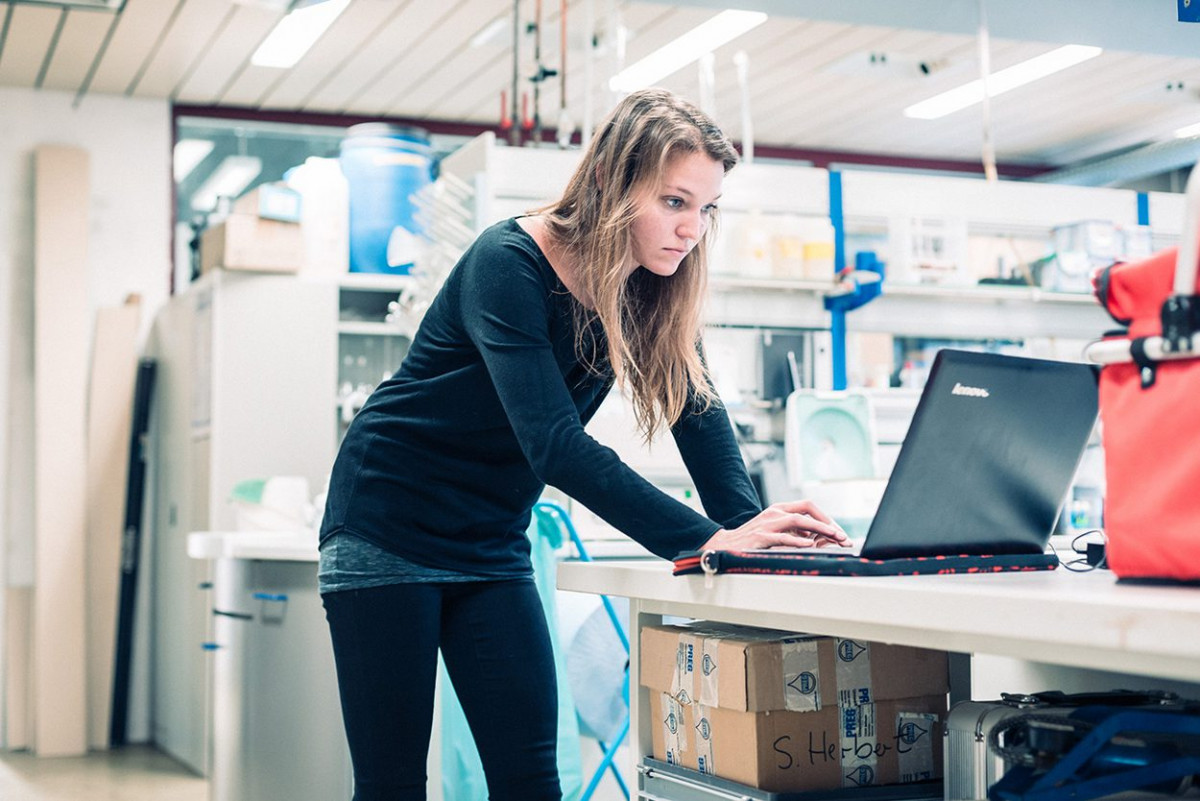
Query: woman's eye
[(673, 202), (710, 209)]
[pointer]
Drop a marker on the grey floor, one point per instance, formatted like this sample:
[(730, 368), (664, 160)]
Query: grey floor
[(137, 773), (141, 773)]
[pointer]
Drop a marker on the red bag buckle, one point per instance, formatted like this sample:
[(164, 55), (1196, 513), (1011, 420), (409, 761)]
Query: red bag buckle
[(1180, 319)]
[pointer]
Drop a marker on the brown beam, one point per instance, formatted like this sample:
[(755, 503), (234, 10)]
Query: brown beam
[(818, 158)]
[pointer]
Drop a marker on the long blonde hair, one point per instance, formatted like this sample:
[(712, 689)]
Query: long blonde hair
[(652, 323)]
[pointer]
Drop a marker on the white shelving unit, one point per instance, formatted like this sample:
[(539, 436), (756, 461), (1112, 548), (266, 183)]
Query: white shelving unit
[(908, 310), (995, 312), (1002, 209), (766, 303), (370, 346), (981, 312)]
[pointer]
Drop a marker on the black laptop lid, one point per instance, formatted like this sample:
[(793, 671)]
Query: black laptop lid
[(988, 458)]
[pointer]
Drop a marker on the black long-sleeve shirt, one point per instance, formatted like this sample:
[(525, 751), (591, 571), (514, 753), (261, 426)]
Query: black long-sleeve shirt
[(446, 459)]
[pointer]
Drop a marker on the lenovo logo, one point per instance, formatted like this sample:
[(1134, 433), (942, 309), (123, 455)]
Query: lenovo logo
[(970, 392)]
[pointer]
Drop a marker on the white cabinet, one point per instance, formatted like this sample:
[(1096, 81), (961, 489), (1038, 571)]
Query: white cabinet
[(246, 368), (277, 718)]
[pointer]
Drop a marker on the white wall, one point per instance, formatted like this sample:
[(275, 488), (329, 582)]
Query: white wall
[(129, 251)]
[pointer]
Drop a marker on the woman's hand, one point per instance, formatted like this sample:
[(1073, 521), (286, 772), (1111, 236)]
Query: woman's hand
[(793, 524)]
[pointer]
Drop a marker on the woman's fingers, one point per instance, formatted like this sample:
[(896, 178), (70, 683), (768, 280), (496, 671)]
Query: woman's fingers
[(791, 541), (793, 524), (805, 507), (799, 521)]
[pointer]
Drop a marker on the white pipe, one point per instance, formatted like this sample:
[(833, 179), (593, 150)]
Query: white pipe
[(985, 70), (514, 133), (589, 57), (742, 61), (1115, 351), (616, 54), (706, 67), (1189, 245)]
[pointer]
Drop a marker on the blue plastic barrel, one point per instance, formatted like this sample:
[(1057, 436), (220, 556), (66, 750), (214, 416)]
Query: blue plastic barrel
[(384, 166)]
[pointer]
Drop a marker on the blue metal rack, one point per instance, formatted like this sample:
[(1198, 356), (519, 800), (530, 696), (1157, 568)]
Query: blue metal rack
[(557, 514)]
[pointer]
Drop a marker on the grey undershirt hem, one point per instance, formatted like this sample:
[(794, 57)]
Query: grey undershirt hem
[(349, 562)]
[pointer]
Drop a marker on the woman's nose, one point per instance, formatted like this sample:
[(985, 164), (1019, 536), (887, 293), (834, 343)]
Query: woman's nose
[(692, 226)]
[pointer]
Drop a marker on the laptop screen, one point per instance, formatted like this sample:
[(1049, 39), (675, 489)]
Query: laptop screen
[(988, 459)]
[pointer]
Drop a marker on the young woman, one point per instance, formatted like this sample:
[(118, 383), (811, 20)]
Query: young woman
[(423, 543)]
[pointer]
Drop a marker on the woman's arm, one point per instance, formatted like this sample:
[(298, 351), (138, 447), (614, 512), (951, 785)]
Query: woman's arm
[(710, 451)]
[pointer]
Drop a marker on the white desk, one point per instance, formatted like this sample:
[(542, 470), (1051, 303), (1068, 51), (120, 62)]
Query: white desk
[(1077, 619), (291, 546)]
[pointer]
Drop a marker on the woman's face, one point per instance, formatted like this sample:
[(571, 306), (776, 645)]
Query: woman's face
[(673, 216)]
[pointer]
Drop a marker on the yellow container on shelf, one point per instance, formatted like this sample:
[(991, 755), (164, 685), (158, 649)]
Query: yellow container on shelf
[(818, 260)]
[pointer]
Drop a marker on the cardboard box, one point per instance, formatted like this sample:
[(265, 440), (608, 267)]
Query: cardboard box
[(888, 742), (755, 670), (275, 201), (248, 242), (788, 712)]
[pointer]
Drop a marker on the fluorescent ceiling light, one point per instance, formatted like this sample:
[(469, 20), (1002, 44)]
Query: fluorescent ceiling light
[(296, 33), (687, 49), (101, 5), (188, 154), (1002, 81), (228, 180), (1188, 131), (492, 32)]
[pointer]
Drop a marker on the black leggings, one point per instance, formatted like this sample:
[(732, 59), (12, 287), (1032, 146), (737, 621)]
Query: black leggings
[(497, 650)]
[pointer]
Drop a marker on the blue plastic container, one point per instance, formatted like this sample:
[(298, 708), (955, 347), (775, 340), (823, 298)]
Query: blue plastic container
[(384, 166)]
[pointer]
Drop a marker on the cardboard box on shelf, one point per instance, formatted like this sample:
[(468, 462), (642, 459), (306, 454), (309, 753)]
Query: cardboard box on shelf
[(749, 669), (249, 242), (888, 742), (274, 201), (782, 711)]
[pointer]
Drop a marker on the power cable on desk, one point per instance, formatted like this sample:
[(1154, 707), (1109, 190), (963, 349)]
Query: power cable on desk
[(1092, 554)]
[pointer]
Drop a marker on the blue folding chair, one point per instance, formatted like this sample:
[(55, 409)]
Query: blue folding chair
[(557, 514)]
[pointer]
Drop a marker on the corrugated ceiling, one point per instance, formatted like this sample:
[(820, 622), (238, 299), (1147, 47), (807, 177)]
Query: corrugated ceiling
[(813, 84)]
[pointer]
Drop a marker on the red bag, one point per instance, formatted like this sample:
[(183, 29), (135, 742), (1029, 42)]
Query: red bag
[(1150, 412)]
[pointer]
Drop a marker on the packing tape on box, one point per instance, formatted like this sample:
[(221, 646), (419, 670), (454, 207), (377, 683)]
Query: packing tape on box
[(801, 676), (674, 732), (684, 677), (860, 741), (853, 673), (709, 695), (704, 741), (914, 745)]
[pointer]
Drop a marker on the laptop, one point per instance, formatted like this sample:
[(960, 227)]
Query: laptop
[(979, 482)]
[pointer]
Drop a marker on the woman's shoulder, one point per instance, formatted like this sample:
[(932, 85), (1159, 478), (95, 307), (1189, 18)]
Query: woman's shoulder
[(508, 236), (507, 249)]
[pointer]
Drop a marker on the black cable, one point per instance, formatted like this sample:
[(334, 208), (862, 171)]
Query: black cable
[(1018, 747), (1086, 563)]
